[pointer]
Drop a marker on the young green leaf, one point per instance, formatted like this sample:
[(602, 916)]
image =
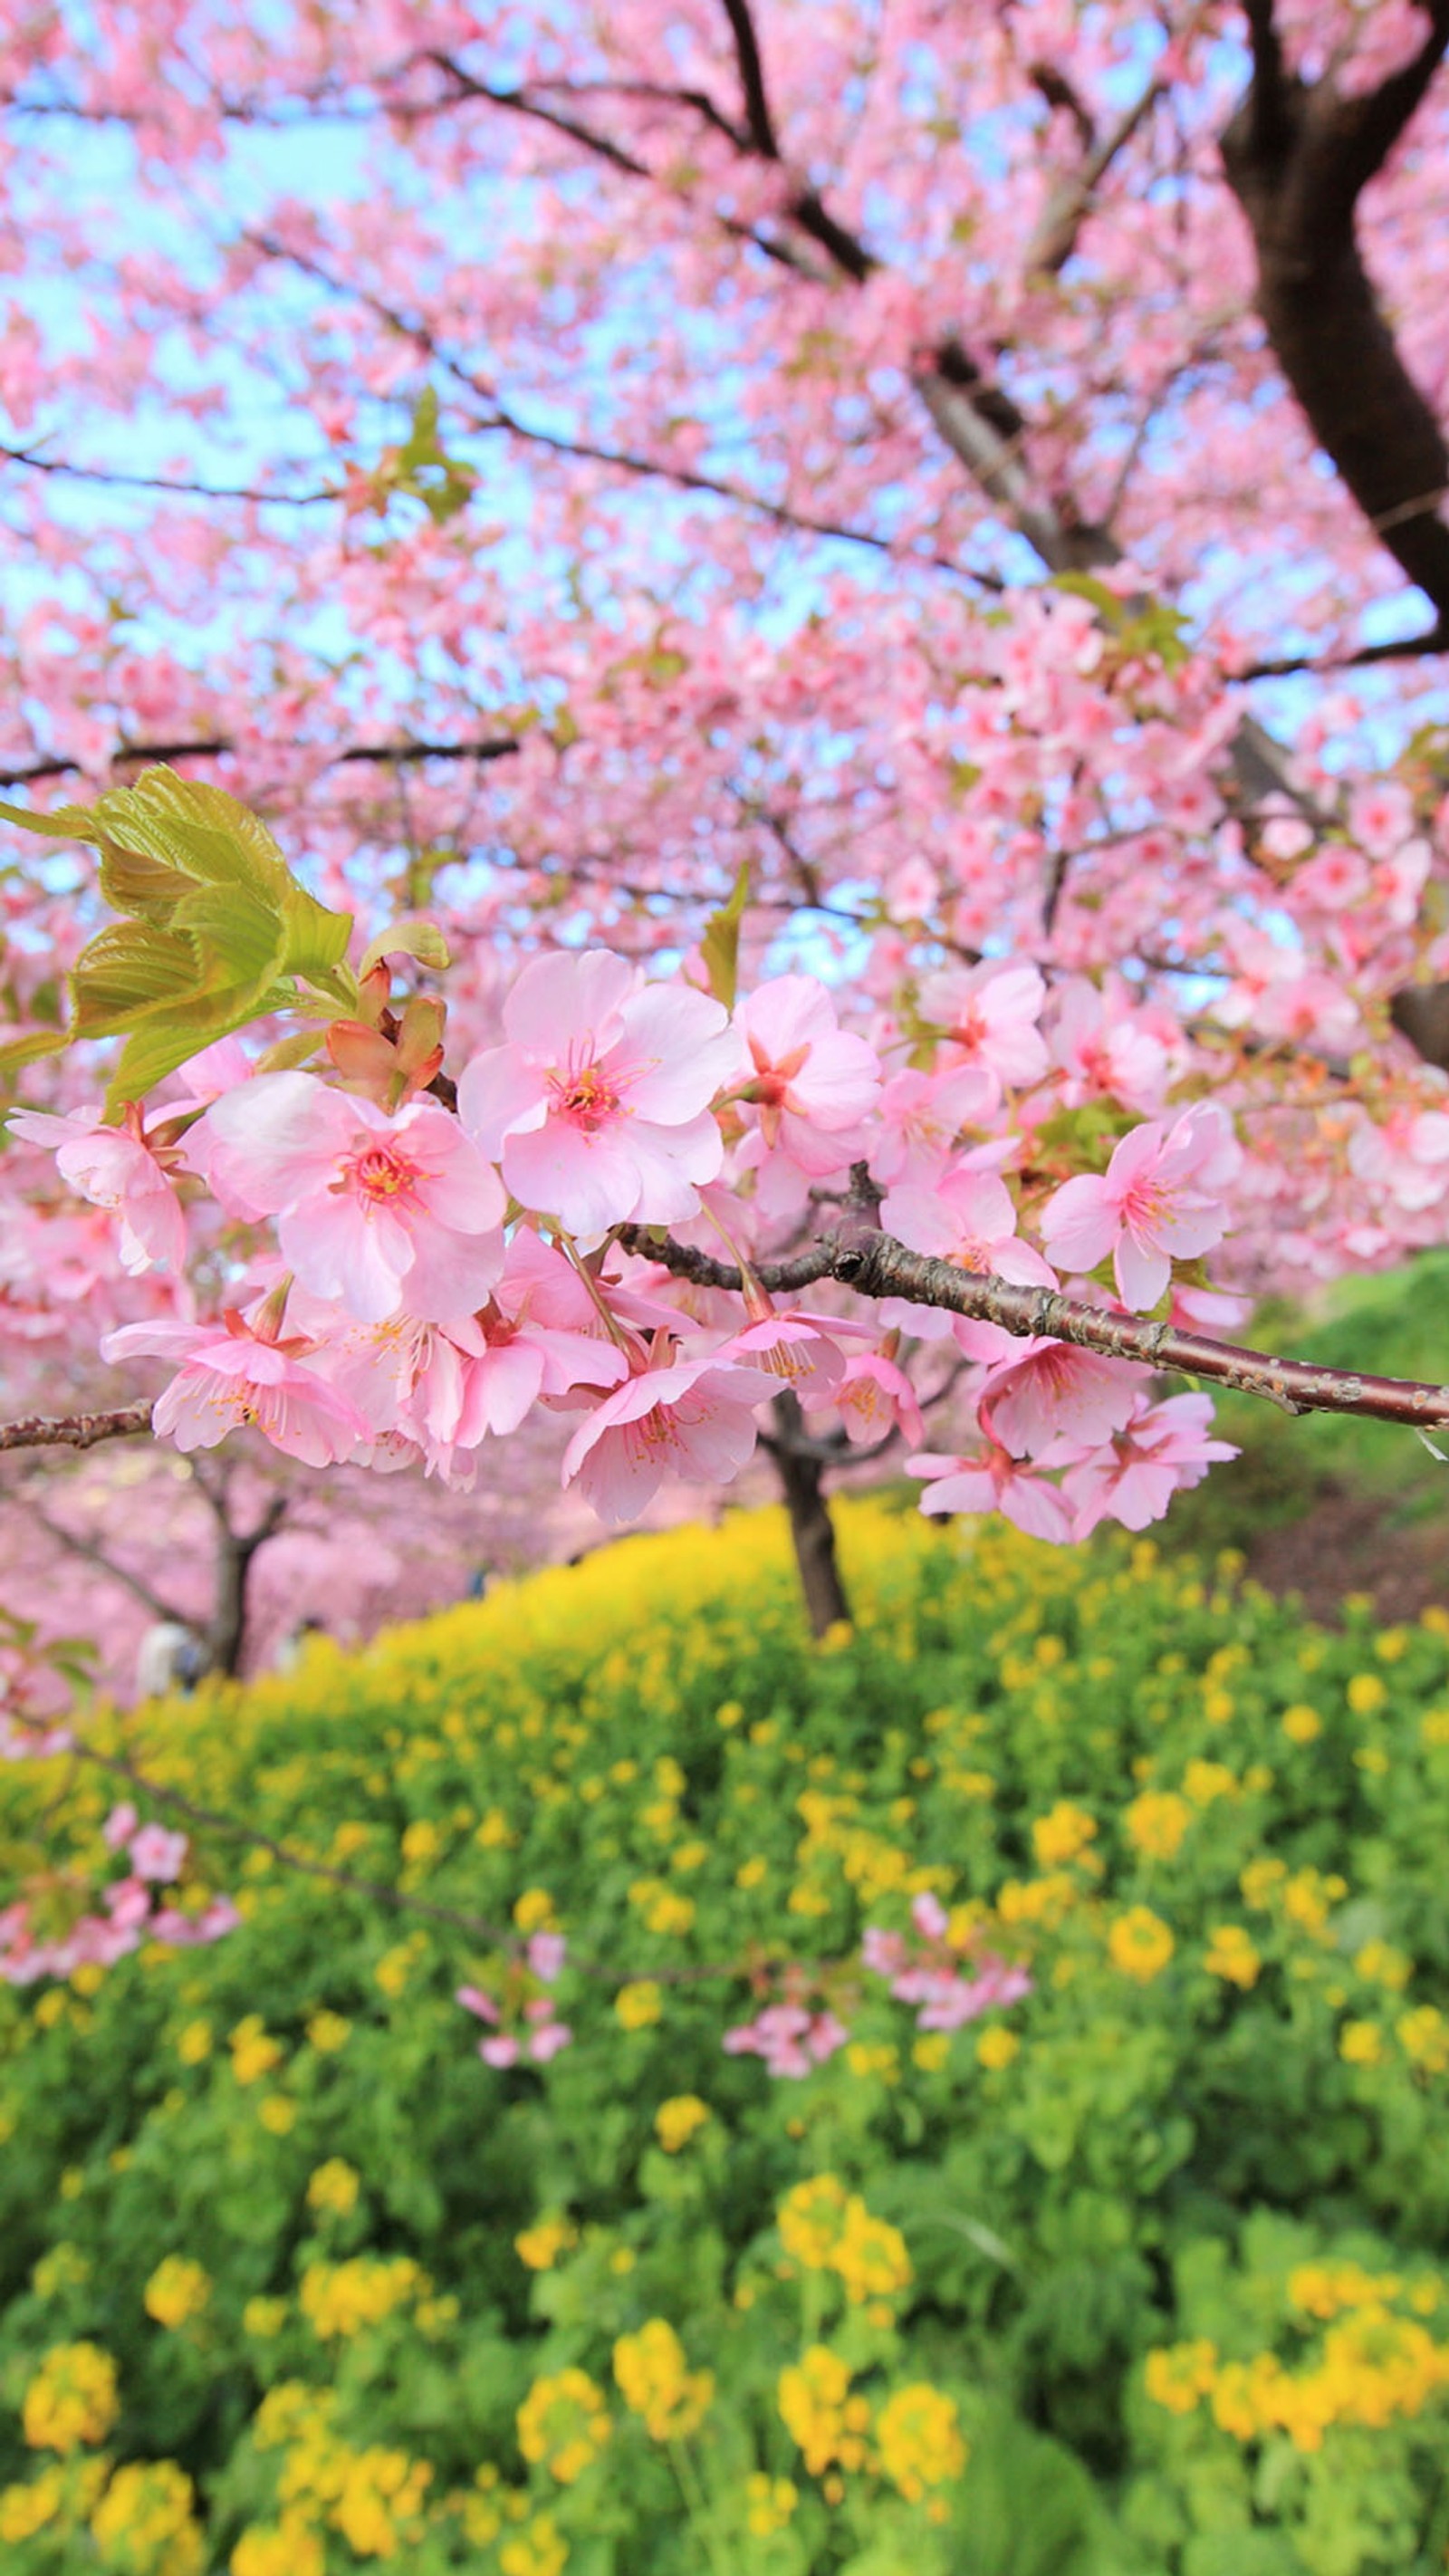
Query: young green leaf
[(720, 945)]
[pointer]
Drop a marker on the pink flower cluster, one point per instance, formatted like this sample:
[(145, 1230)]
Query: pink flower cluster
[(421, 1282), (135, 1910), (791, 2038), (950, 1980), (524, 2026)]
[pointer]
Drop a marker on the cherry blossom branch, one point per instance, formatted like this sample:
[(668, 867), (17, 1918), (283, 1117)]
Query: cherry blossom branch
[(502, 420), (1407, 648), (91, 1554), (75, 1430), (1069, 200), (875, 1265), (223, 746), (188, 490), (401, 1900)]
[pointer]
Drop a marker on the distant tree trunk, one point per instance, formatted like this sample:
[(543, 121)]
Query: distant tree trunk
[(811, 1528), (235, 1552)]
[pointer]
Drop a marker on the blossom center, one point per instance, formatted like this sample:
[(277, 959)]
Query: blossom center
[(588, 1098), (381, 1172)]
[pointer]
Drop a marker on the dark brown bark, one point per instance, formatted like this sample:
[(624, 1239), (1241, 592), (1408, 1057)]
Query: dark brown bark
[(812, 1530), (236, 1551), (1297, 156)]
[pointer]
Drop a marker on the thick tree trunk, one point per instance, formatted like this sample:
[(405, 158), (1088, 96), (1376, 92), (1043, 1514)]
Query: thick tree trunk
[(811, 1527)]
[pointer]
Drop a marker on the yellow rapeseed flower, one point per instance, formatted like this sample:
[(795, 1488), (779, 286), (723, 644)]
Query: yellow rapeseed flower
[(1062, 1834), (72, 2398), (1232, 1956), (997, 2047), (919, 2440), (1140, 1944), (1362, 2043), (1301, 1724), (334, 2187), (656, 2383), (24, 2510), (677, 2120), (637, 2005), (1157, 1821), (563, 2424), (540, 2246), (1424, 2038), (144, 2520), (177, 2290), (254, 2052), (1177, 2375), (769, 2504), (286, 2548), (534, 1911)]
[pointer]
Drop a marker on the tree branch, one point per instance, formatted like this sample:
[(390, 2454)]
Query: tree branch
[(502, 420), (166, 482), (91, 1554), (752, 80), (1297, 156), (1069, 201), (860, 1257), (223, 746), (75, 1430)]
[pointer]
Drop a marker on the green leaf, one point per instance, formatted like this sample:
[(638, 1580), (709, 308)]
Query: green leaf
[(411, 938), (720, 945), (216, 930)]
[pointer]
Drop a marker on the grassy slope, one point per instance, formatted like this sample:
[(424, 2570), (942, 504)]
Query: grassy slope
[(1369, 1502)]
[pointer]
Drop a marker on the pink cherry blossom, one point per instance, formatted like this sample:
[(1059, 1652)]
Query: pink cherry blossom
[(921, 1119), (873, 1397), (363, 1199), (797, 1348), (1102, 1048), (119, 1826), (157, 1854), (230, 1379), (1161, 1450), (993, 1481), (792, 2040), (597, 1106), (813, 1081), (1158, 1201), (189, 1931), (545, 1953), (474, 1999), (545, 2035), (694, 1419), (115, 1168), (989, 1013), (1046, 1391), (969, 1219)]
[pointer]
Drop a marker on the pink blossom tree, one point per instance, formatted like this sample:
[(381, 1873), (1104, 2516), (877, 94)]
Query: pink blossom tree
[(873, 673)]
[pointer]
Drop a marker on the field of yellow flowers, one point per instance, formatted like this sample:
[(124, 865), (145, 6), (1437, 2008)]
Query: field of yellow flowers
[(1146, 2274)]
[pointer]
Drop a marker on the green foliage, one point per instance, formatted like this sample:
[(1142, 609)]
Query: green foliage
[(422, 468), (216, 931), (720, 944), (1392, 1326), (1212, 2134), (410, 938)]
